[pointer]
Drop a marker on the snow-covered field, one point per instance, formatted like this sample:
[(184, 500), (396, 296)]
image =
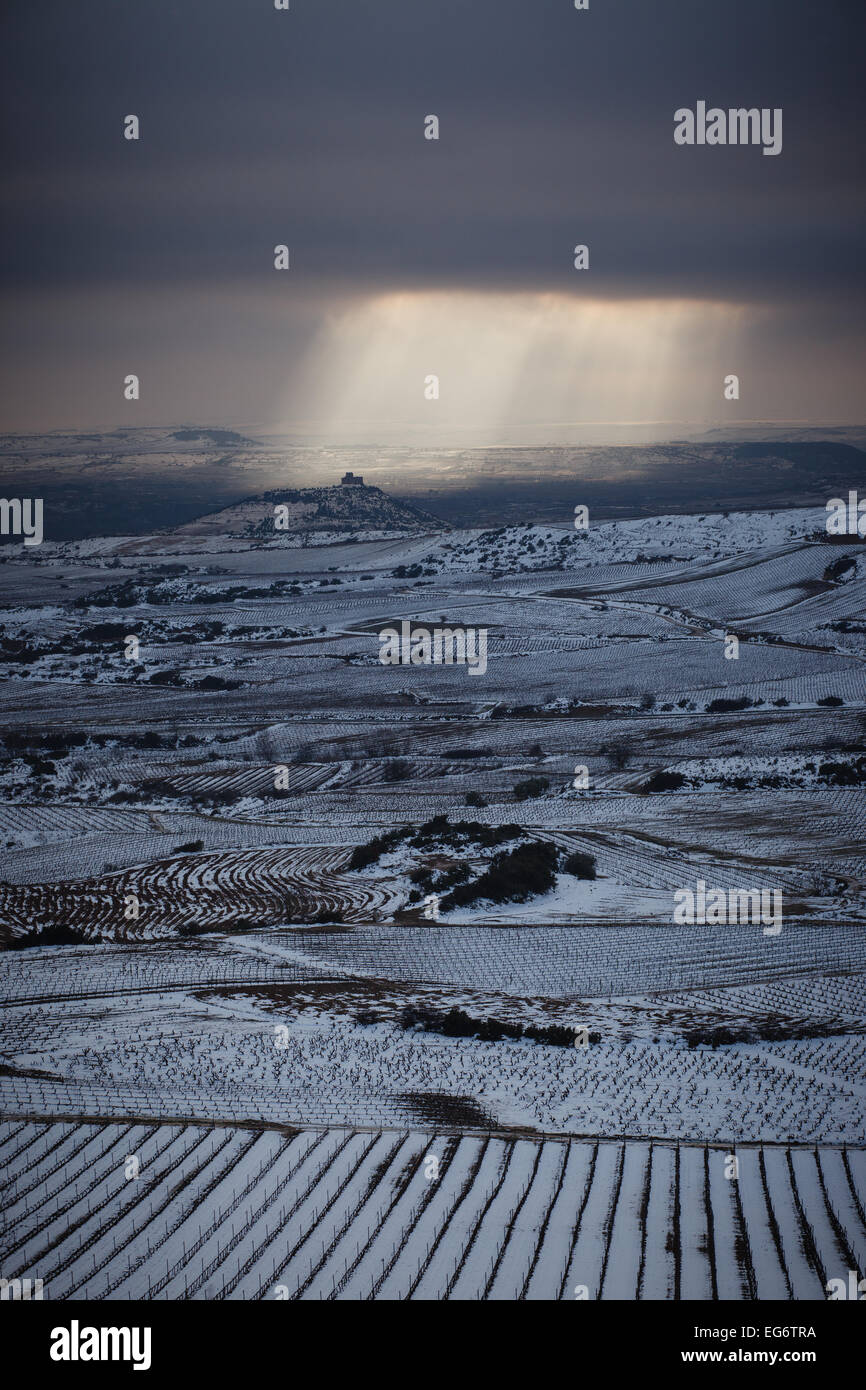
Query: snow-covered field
[(297, 1026), (233, 1213), (227, 996)]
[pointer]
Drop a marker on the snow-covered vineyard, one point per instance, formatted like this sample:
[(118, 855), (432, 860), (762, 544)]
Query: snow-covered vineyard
[(299, 944), (304, 1027), (143, 1210)]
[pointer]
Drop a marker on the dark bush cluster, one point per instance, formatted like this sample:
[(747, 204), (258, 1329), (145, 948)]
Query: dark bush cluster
[(844, 774), (131, 592), (59, 935), (464, 832), (512, 877), (432, 835), (834, 572), (533, 786), (580, 865), (397, 770), (466, 753), (793, 1030), (664, 782), (364, 855), (25, 745), (729, 706), (458, 1024)]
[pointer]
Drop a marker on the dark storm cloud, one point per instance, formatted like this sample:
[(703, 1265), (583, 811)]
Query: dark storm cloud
[(556, 127)]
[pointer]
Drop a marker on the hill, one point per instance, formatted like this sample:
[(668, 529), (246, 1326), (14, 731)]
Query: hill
[(314, 509)]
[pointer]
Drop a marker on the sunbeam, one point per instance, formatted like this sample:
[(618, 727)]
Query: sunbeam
[(434, 364)]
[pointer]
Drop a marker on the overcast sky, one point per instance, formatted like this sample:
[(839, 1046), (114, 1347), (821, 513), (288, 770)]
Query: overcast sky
[(412, 257)]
